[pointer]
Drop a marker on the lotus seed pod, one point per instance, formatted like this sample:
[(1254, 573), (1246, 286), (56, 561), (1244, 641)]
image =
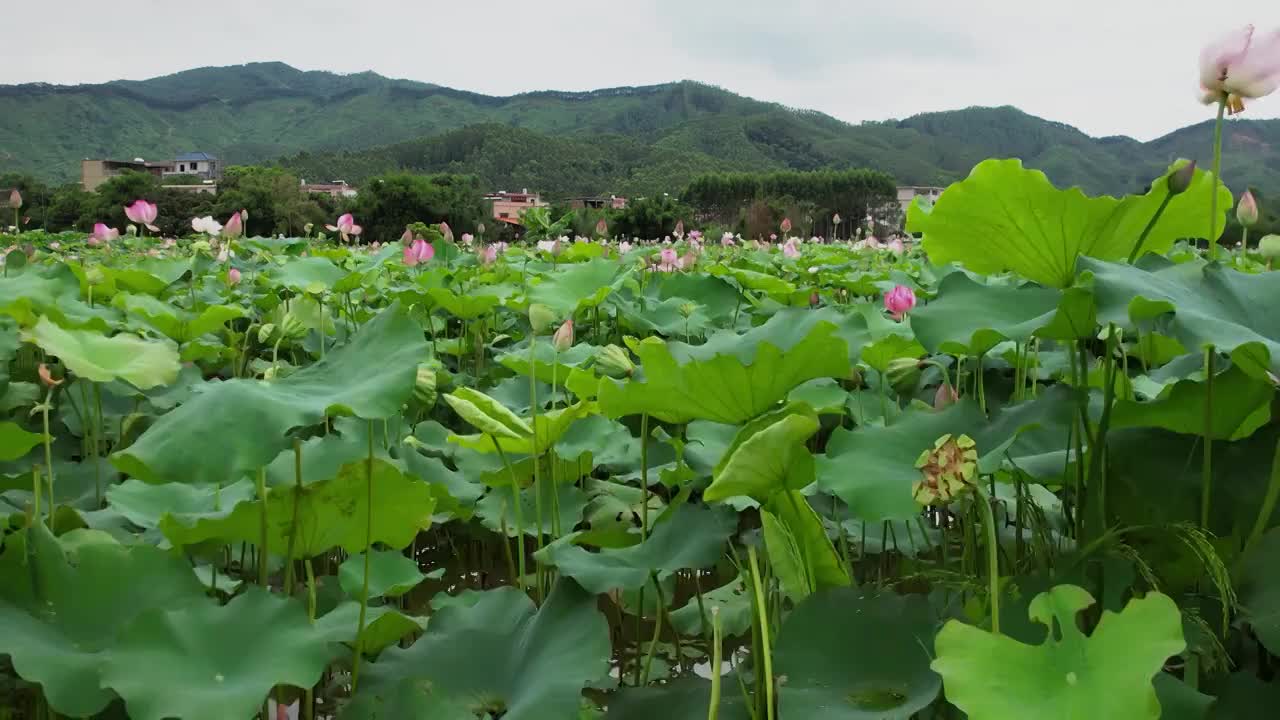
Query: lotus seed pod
[(947, 469)]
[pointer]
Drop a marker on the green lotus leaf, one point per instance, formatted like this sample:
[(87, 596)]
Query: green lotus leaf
[(150, 276), (546, 429), (731, 378), (391, 574), (1238, 403), (579, 286), (822, 651), (502, 655), (54, 293), (384, 626), (96, 357), (799, 550), (968, 318), (487, 414), (1006, 217), (370, 377), (1243, 696), (1105, 675), (548, 365), (406, 699), (771, 285), (1180, 701), (16, 442), (191, 661), (767, 455), (143, 504), (63, 620), (496, 511), (1259, 587), (734, 601), (9, 344), (309, 274), (177, 324), (824, 395), (1198, 305), (683, 699), (332, 513), (464, 307), (686, 536)]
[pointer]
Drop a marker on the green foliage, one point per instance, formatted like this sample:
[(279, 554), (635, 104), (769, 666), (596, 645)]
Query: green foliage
[(389, 203)]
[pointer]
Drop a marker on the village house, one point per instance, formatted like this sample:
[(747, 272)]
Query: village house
[(600, 202), (336, 189), (507, 207), (94, 172), (908, 193)]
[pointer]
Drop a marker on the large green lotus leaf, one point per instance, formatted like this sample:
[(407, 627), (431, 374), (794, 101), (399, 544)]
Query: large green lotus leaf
[(731, 378), (1180, 701), (464, 307), (309, 274), (176, 323), (329, 514), (800, 552), (391, 574), (670, 317), (406, 699), (824, 651), (969, 318), (16, 442), (150, 276), (687, 536), (1006, 217), (61, 620), (230, 429), (579, 286), (767, 455), (736, 611), (1258, 587), (1243, 696), (202, 661), (143, 504), (1239, 405), (547, 429), (501, 655), (54, 293), (9, 344), (751, 280), (1197, 305), (384, 626), (497, 513), (1104, 675), (683, 699), (872, 468), (96, 357)]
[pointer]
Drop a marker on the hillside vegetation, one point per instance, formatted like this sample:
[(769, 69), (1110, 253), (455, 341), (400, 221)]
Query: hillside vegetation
[(632, 140)]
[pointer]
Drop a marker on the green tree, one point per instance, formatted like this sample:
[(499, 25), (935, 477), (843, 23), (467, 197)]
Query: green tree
[(652, 217), (389, 203)]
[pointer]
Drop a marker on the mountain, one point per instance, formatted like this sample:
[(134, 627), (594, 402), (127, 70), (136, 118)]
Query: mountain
[(627, 140)]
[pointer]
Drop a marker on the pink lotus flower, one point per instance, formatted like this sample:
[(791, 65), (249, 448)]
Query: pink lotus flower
[(602, 227), (944, 396), (895, 245), (419, 251), (467, 239), (101, 234), (668, 260), (624, 247), (551, 246), (346, 227), (1237, 67), (1247, 210), (142, 213), (488, 254), (773, 237), (899, 301), (790, 250), (206, 225), (234, 227), (785, 227), (727, 239), (446, 231), (233, 276), (15, 199), (563, 339), (695, 235), (679, 231)]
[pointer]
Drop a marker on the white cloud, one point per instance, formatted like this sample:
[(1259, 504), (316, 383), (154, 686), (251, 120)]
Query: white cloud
[(1105, 66)]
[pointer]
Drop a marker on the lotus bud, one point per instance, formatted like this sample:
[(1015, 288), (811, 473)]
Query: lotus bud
[(306, 229), (244, 215), (602, 228), (1247, 210), (1181, 177), (814, 299), (903, 374), (947, 469), (480, 228), (541, 317), (233, 276), (687, 309), (446, 232), (614, 362), (424, 385), (15, 199), (46, 376), (1269, 246), (945, 395), (785, 225), (563, 339), (94, 276), (131, 230)]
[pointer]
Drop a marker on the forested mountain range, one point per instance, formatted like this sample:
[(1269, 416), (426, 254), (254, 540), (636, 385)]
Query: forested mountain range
[(631, 140)]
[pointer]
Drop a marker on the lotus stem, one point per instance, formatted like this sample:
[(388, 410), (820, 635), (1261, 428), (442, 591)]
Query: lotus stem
[(763, 613), (993, 556), (644, 476), (1206, 476), (262, 527), (717, 660), (657, 630), (48, 453), (293, 528), (308, 703), (357, 649), (519, 515), (1142, 238), (35, 488), (1268, 502), (1213, 180)]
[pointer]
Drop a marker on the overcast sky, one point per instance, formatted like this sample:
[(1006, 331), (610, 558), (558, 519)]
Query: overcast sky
[(1106, 66)]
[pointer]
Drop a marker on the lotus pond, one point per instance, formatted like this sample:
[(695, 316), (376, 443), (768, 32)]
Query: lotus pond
[(1007, 473)]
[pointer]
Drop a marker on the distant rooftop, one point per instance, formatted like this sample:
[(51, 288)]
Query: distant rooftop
[(194, 156)]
